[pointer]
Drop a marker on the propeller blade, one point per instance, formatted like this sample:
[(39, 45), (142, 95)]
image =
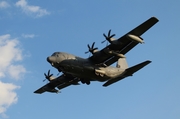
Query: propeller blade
[(88, 46), (93, 45), (95, 48), (44, 80), (109, 33), (108, 37), (103, 41), (48, 72), (112, 35), (105, 36), (86, 52), (47, 76), (50, 75), (91, 48)]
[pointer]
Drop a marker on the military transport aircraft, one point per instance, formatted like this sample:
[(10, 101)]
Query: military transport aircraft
[(97, 67)]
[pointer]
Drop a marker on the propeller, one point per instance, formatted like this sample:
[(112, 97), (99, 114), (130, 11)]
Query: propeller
[(108, 37), (47, 76), (91, 49)]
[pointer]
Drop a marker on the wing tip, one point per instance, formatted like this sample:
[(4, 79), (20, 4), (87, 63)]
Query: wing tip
[(154, 18), (148, 61), (36, 92)]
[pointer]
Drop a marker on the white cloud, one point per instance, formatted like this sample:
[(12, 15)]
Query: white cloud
[(4, 4), (10, 55), (28, 35), (35, 11), (8, 96), (16, 71)]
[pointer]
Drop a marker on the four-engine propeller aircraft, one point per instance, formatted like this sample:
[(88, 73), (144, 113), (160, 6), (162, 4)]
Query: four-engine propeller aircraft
[(97, 67)]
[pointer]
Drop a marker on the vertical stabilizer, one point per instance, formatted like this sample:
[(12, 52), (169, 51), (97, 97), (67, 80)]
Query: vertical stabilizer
[(122, 63)]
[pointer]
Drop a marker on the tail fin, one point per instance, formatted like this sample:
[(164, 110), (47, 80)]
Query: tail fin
[(122, 63), (128, 72)]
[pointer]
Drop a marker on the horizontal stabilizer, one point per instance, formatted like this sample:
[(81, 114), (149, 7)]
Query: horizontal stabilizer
[(128, 72), (135, 68)]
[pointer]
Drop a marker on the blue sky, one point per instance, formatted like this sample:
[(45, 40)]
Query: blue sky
[(32, 30)]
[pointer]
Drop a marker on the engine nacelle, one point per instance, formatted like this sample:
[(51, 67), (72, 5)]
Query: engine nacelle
[(135, 38), (52, 78), (114, 53)]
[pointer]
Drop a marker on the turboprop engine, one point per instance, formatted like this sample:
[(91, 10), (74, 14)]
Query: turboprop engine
[(49, 76)]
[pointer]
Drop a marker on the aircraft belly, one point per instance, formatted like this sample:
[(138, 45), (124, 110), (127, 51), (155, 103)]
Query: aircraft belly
[(91, 72), (98, 74), (86, 72), (78, 69)]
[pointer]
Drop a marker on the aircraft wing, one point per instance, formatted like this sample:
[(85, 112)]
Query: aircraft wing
[(43, 89), (60, 82), (123, 44)]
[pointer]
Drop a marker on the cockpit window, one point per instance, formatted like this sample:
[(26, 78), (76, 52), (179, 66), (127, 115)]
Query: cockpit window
[(56, 54)]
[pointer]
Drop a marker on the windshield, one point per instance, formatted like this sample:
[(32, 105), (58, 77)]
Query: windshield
[(56, 54)]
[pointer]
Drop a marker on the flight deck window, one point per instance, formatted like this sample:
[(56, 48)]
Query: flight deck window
[(55, 54)]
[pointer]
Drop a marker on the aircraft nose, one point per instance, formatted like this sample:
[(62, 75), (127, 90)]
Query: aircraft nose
[(51, 59)]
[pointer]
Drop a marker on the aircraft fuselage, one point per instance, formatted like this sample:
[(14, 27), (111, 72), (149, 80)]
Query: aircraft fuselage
[(82, 68)]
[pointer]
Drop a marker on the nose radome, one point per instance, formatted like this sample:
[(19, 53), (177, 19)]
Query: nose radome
[(51, 59), (48, 59)]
